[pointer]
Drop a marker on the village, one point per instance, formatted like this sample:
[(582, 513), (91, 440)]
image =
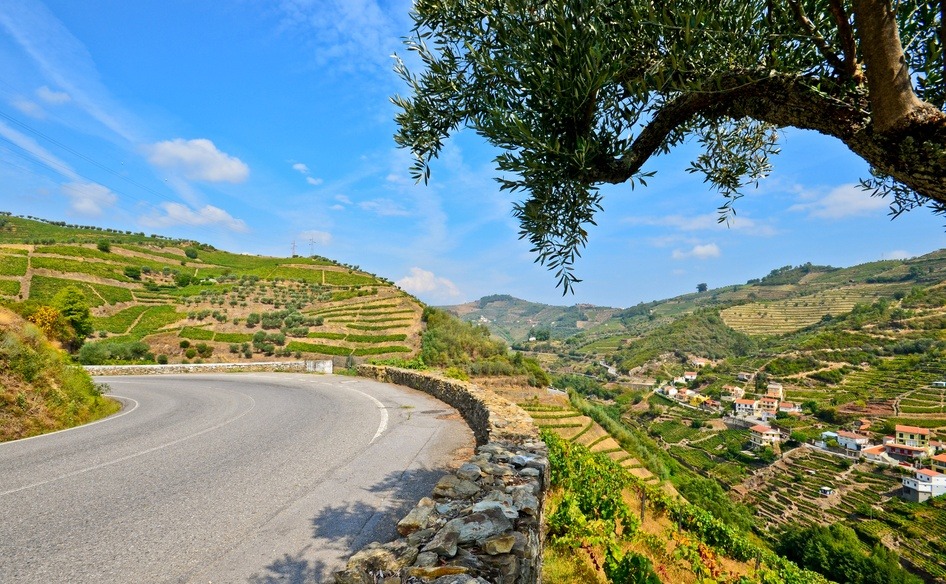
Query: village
[(759, 412)]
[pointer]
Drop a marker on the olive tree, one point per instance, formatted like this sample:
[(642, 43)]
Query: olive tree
[(579, 93)]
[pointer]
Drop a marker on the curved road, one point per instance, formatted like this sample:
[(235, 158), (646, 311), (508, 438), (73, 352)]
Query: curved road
[(251, 478)]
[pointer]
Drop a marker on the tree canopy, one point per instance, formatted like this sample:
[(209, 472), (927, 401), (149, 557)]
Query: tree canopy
[(579, 93)]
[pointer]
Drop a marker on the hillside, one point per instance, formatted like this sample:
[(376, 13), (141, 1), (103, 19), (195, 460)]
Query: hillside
[(39, 391), (515, 320), (153, 298)]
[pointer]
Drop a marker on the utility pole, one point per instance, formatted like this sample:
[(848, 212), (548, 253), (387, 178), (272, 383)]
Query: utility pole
[(311, 246), (293, 248)]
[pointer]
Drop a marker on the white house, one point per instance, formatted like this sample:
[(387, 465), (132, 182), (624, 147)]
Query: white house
[(852, 441), (699, 362), (925, 484), (768, 404), (789, 407), (670, 391), (689, 376), (763, 436), (746, 408)]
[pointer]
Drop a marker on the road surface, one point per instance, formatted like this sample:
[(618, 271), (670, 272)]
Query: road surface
[(250, 478)]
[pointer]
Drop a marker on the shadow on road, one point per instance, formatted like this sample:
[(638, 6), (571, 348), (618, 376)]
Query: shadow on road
[(341, 530)]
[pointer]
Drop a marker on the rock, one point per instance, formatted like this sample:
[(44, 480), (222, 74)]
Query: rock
[(444, 543), (525, 501), (459, 579), (417, 518), (505, 506), (432, 572), (419, 537), (453, 487), (426, 559), (387, 559), (497, 470), (499, 544), (529, 472), (469, 471), (479, 526)]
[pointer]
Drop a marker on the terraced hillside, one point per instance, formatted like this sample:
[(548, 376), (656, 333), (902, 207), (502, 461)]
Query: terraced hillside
[(188, 301)]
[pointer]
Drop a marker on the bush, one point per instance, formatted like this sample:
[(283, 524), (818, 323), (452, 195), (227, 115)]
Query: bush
[(190, 353), (133, 272), (162, 359), (184, 344), (104, 246), (191, 252)]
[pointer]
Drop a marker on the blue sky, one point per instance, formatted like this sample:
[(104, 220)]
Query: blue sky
[(251, 125)]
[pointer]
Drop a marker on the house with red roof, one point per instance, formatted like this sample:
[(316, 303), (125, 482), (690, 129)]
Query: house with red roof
[(925, 484), (762, 436), (938, 462), (910, 442), (746, 408)]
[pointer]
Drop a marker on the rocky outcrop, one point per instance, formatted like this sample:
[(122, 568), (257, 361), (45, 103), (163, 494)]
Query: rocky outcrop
[(482, 523)]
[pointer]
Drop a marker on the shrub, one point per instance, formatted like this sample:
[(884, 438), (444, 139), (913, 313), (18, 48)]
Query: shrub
[(184, 343), (191, 252), (133, 272), (104, 246), (190, 353)]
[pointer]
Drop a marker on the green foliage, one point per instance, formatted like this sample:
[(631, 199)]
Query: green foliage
[(132, 272), (191, 252), (836, 552), (104, 246), (629, 568), (701, 333), (448, 341), (111, 352), (72, 305)]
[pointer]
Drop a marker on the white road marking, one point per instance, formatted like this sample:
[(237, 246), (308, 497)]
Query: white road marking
[(384, 413), (143, 452), (80, 427)]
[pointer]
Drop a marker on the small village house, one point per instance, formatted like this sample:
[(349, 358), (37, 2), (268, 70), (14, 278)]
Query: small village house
[(746, 408), (775, 390), (743, 376), (732, 392), (908, 442), (788, 407), (699, 362), (689, 376), (762, 436), (938, 463), (851, 440), (769, 405), (925, 484)]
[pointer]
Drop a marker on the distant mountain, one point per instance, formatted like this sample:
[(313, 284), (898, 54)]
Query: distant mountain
[(516, 320)]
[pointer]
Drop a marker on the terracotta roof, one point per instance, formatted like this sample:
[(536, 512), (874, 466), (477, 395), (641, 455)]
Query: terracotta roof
[(912, 430), (874, 449), (768, 400), (761, 429), (852, 435), (940, 457), (929, 473), (787, 404), (905, 447), (745, 402)]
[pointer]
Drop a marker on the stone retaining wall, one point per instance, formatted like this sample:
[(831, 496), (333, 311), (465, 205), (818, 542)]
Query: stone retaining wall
[(283, 366), (482, 523)]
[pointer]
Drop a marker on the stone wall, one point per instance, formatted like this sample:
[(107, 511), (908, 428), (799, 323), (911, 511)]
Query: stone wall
[(291, 366), (482, 523)]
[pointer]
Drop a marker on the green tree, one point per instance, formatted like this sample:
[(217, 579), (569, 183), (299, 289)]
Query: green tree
[(701, 287), (74, 308), (104, 245), (578, 93)]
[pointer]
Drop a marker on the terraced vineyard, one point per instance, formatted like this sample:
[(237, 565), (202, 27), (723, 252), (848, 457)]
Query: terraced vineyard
[(239, 307), (791, 314)]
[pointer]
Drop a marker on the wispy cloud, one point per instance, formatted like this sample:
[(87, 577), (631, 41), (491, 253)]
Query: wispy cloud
[(706, 222), (52, 97), (29, 107), (88, 198), (348, 34), (847, 200), (65, 62), (313, 181), (700, 252), (198, 159), (384, 208), (177, 214), (316, 237), (299, 167), (424, 282)]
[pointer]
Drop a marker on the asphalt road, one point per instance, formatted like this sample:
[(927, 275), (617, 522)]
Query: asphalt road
[(250, 478)]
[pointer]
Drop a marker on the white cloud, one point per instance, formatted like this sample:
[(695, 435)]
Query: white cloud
[(88, 198), (700, 252), (705, 222), (39, 153), (385, 208), (313, 181), (897, 254), (423, 282), (337, 207), (52, 97), (343, 199), (178, 214), (301, 168), (198, 159), (30, 108), (847, 200), (316, 237)]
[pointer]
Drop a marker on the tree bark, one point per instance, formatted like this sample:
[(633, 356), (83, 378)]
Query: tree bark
[(893, 103)]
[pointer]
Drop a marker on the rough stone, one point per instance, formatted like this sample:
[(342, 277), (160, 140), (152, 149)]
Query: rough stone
[(444, 543), (419, 537), (499, 544), (529, 472), (426, 559), (435, 572), (417, 518), (479, 526), (453, 487), (469, 471)]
